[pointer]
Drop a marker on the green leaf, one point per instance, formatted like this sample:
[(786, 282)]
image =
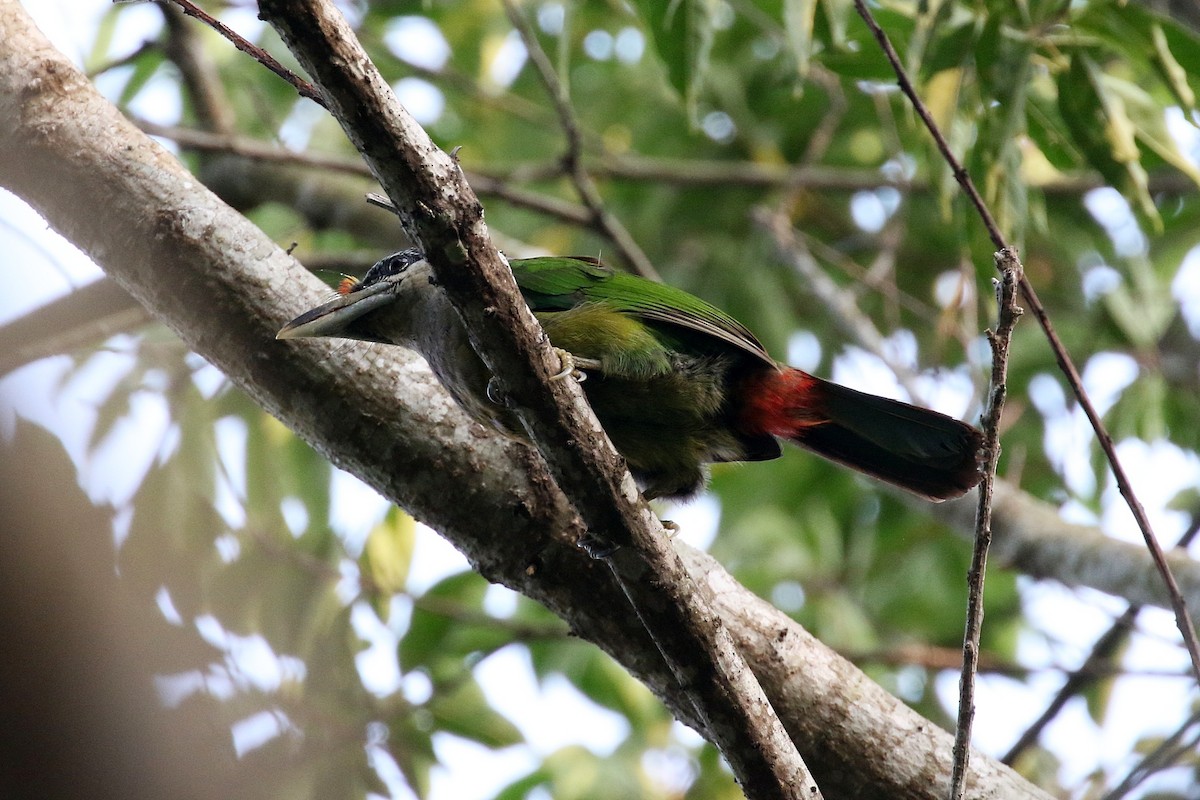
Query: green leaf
[(387, 554), (1100, 125), (432, 624), (1142, 309), (464, 711), (798, 17), (1173, 74), (411, 744), (837, 15), (1150, 124), (682, 35)]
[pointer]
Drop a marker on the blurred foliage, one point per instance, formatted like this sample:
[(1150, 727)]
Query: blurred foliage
[(1046, 102)]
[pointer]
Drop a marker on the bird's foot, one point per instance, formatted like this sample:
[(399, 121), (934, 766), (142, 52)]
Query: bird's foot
[(573, 366), (671, 527)]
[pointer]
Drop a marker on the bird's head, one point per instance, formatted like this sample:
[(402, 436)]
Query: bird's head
[(383, 307)]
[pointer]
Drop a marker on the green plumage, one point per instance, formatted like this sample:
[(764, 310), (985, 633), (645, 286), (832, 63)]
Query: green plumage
[(666, 360), (556, 284)]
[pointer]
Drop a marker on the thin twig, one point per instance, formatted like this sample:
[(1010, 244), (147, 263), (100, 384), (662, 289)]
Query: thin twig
[(252, 148), (934, 658), (1077, 680), (838, 302), (1006, 294), (1182, 617), (604, 219), (302, 86), (765, 175), (1094, 667), (1168, 752)]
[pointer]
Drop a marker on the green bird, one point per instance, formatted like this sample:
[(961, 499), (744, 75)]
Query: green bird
[(676, 383)]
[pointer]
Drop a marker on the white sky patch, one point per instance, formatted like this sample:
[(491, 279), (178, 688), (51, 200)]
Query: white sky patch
[(871, 210), (867, 372), (464, 764), (256, 730), (157, 100), (718, 126), (433, 559), (1069, 437), (1186, 289), (551, 715), (70, 25), (418, 41), (951, 289), (388, 770), (230, 434), (166, 606), (1071, 621), (629, 45), (378, 667), (1112, 211), (551, 17), (1185, 134), (422, 99), (950, 391), (804, 351), (1157, 472), (1098, 281), (297, 129), (500, 601), (698, 519), (295, 515), (509, 59), (1106, 376), (354, 509)]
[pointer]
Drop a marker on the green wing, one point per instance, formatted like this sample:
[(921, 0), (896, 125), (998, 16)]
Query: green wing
[(560, 284)]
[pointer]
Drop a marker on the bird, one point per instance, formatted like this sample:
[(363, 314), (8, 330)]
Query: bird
[(676, 383)]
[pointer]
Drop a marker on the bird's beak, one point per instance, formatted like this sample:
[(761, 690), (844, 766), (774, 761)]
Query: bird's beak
[(335, 317)]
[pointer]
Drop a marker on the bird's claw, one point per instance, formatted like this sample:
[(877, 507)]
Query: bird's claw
[(572, 366)]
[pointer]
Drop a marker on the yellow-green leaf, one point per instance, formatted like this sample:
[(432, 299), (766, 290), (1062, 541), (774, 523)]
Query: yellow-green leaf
[(387, 555)]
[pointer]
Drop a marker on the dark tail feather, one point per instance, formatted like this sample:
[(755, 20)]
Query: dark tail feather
[(925, 452)]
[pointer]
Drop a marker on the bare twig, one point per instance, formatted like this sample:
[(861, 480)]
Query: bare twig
[(1182, 617), (1169, 751), (766, 175), (934, 658), (839, 302), (604, 219), (302, 86), (260, 151), (1094, 667), (1077, 680), (1006, 292)]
